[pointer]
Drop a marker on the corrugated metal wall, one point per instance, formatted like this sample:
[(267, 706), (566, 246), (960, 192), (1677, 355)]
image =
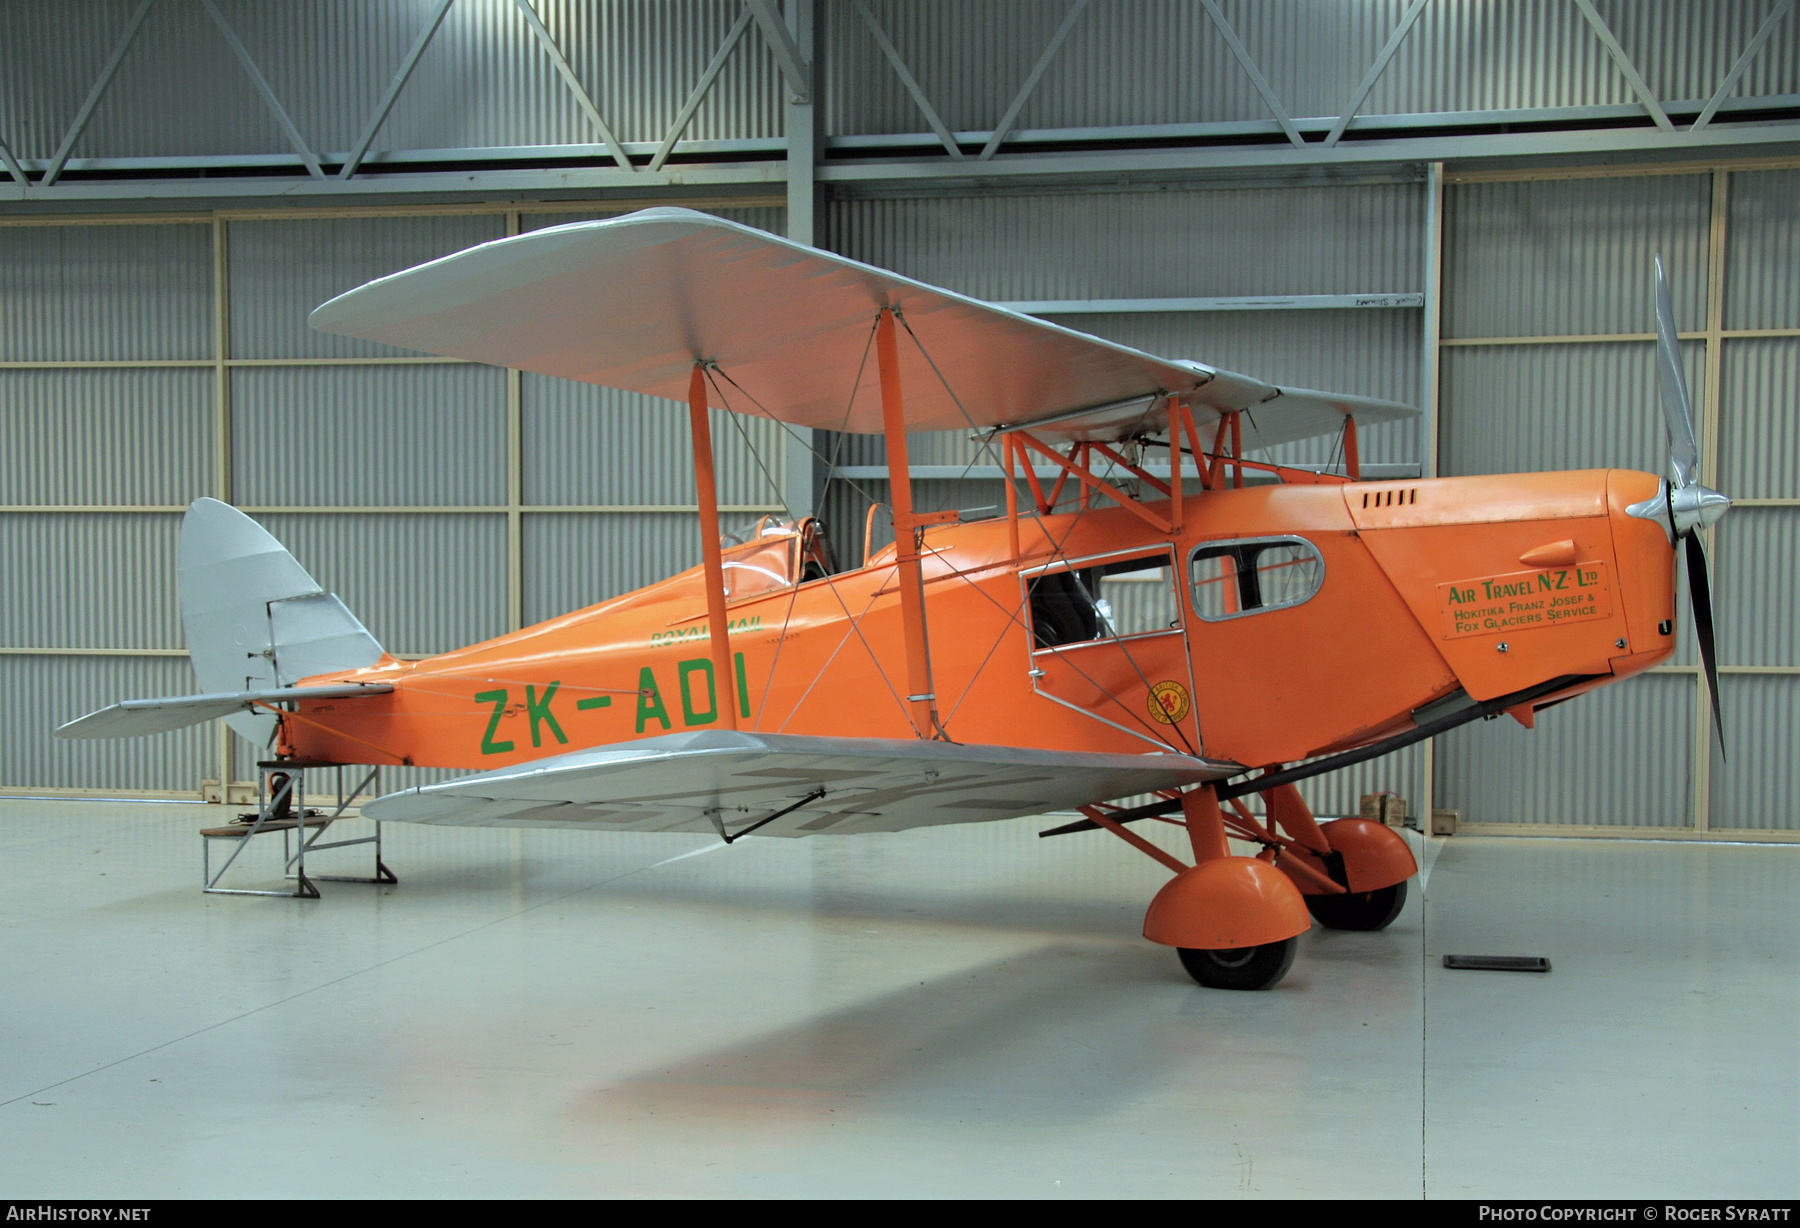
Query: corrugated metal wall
[(483, 82), (1530, 268), (1535, 271), (387, 476), (1172, 243), (1163, 61)]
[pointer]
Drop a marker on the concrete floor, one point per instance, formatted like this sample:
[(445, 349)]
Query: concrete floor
[(948, 1012)]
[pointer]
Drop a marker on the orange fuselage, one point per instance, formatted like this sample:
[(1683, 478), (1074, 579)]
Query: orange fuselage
[(1423, 582)]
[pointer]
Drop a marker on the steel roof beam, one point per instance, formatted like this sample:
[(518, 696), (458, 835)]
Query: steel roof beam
[(94, 95), (262, 88), (1780, 11), (570, 80), (12, 166), (1031, 81), (892, 53), (699, 92), (1625, 65), (1256, 78), (793, 62), (1376, 69), (1400, 150), (401, 76)]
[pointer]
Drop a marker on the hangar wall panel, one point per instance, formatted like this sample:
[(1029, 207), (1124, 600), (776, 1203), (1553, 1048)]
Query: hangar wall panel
[(46, 691), (1178, 243), (1763, 244), (1368, 352), (1754, 570), (282, 269), (1512, 408), (484, 80), (119, 436), (1162, 61), (157, 300), (578, 559), (591, 445), (1188, 243), (94, 580), (1621, 756), (369, 436), (1759, 434), (1762, 719), (1573, 256), (421, 583)]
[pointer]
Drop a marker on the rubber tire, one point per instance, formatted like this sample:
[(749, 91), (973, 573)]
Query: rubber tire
[(1244, 968), (1361, 910)]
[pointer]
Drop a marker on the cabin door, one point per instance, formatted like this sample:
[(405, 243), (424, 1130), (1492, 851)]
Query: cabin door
[(1109, 641)]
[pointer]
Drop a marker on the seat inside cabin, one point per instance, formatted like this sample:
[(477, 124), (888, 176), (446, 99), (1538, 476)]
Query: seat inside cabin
[(773, 554)]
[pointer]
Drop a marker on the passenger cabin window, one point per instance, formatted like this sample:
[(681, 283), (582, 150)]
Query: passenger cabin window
[(1232, 579), (1114, 599)]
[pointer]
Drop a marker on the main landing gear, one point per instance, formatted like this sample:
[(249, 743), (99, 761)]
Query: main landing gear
[(1359, 910), (1236, 921), (1241, 967)]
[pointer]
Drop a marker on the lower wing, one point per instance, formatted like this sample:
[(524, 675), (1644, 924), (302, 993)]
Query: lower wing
[(788, 785)]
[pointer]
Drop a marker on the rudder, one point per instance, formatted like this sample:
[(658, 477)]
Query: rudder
[(255, 618)]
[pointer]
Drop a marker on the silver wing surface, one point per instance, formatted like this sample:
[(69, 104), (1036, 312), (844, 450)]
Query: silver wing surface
[(632, 302), (724, 781), (140, 716)]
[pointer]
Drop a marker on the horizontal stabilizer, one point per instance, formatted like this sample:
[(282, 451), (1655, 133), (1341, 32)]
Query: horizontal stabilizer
[(135, 717), (723, 781), (632, 302)]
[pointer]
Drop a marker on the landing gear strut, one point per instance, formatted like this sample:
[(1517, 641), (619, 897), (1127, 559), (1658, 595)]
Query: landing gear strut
[(1236, 921)]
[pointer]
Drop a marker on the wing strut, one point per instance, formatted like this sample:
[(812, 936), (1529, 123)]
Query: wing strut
[(920, 699), (724, 689)]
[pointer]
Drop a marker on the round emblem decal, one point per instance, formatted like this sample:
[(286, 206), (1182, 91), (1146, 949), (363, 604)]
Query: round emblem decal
[(1168, 702)]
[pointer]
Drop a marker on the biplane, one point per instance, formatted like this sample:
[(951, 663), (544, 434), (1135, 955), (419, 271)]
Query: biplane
[(1156, 627)]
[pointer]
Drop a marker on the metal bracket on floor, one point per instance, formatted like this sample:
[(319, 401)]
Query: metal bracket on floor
[(281, 806)]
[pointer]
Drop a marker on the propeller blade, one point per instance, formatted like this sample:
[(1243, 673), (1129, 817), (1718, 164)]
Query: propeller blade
[(1678, 411), (1700, 592)]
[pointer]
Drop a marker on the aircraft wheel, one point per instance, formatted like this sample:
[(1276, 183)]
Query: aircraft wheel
[(1359, 910), (1242, 968)]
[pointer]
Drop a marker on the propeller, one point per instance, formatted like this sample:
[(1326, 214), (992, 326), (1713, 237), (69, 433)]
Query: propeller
[(1683, 505)]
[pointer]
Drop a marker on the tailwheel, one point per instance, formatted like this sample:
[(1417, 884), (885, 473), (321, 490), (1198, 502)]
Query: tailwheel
[(1359, 910), (1260, 967)]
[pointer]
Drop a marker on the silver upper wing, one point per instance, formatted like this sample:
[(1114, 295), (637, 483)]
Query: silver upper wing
[(632, 302), (702, 781)]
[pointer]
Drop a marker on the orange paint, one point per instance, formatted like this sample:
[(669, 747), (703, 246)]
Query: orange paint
[(830, 656)]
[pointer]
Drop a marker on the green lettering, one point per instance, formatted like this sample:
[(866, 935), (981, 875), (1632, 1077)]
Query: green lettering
[(650, 702), (540, 712), (1562, 579), (683, 670), (1544, 584), (593, 701), (743, 683), (488, 745)]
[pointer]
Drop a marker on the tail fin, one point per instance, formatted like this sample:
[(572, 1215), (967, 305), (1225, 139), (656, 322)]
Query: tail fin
[(255, 620)]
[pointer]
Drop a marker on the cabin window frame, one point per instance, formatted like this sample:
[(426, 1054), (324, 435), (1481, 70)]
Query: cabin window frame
[(1169, 555), (1227, 546)]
